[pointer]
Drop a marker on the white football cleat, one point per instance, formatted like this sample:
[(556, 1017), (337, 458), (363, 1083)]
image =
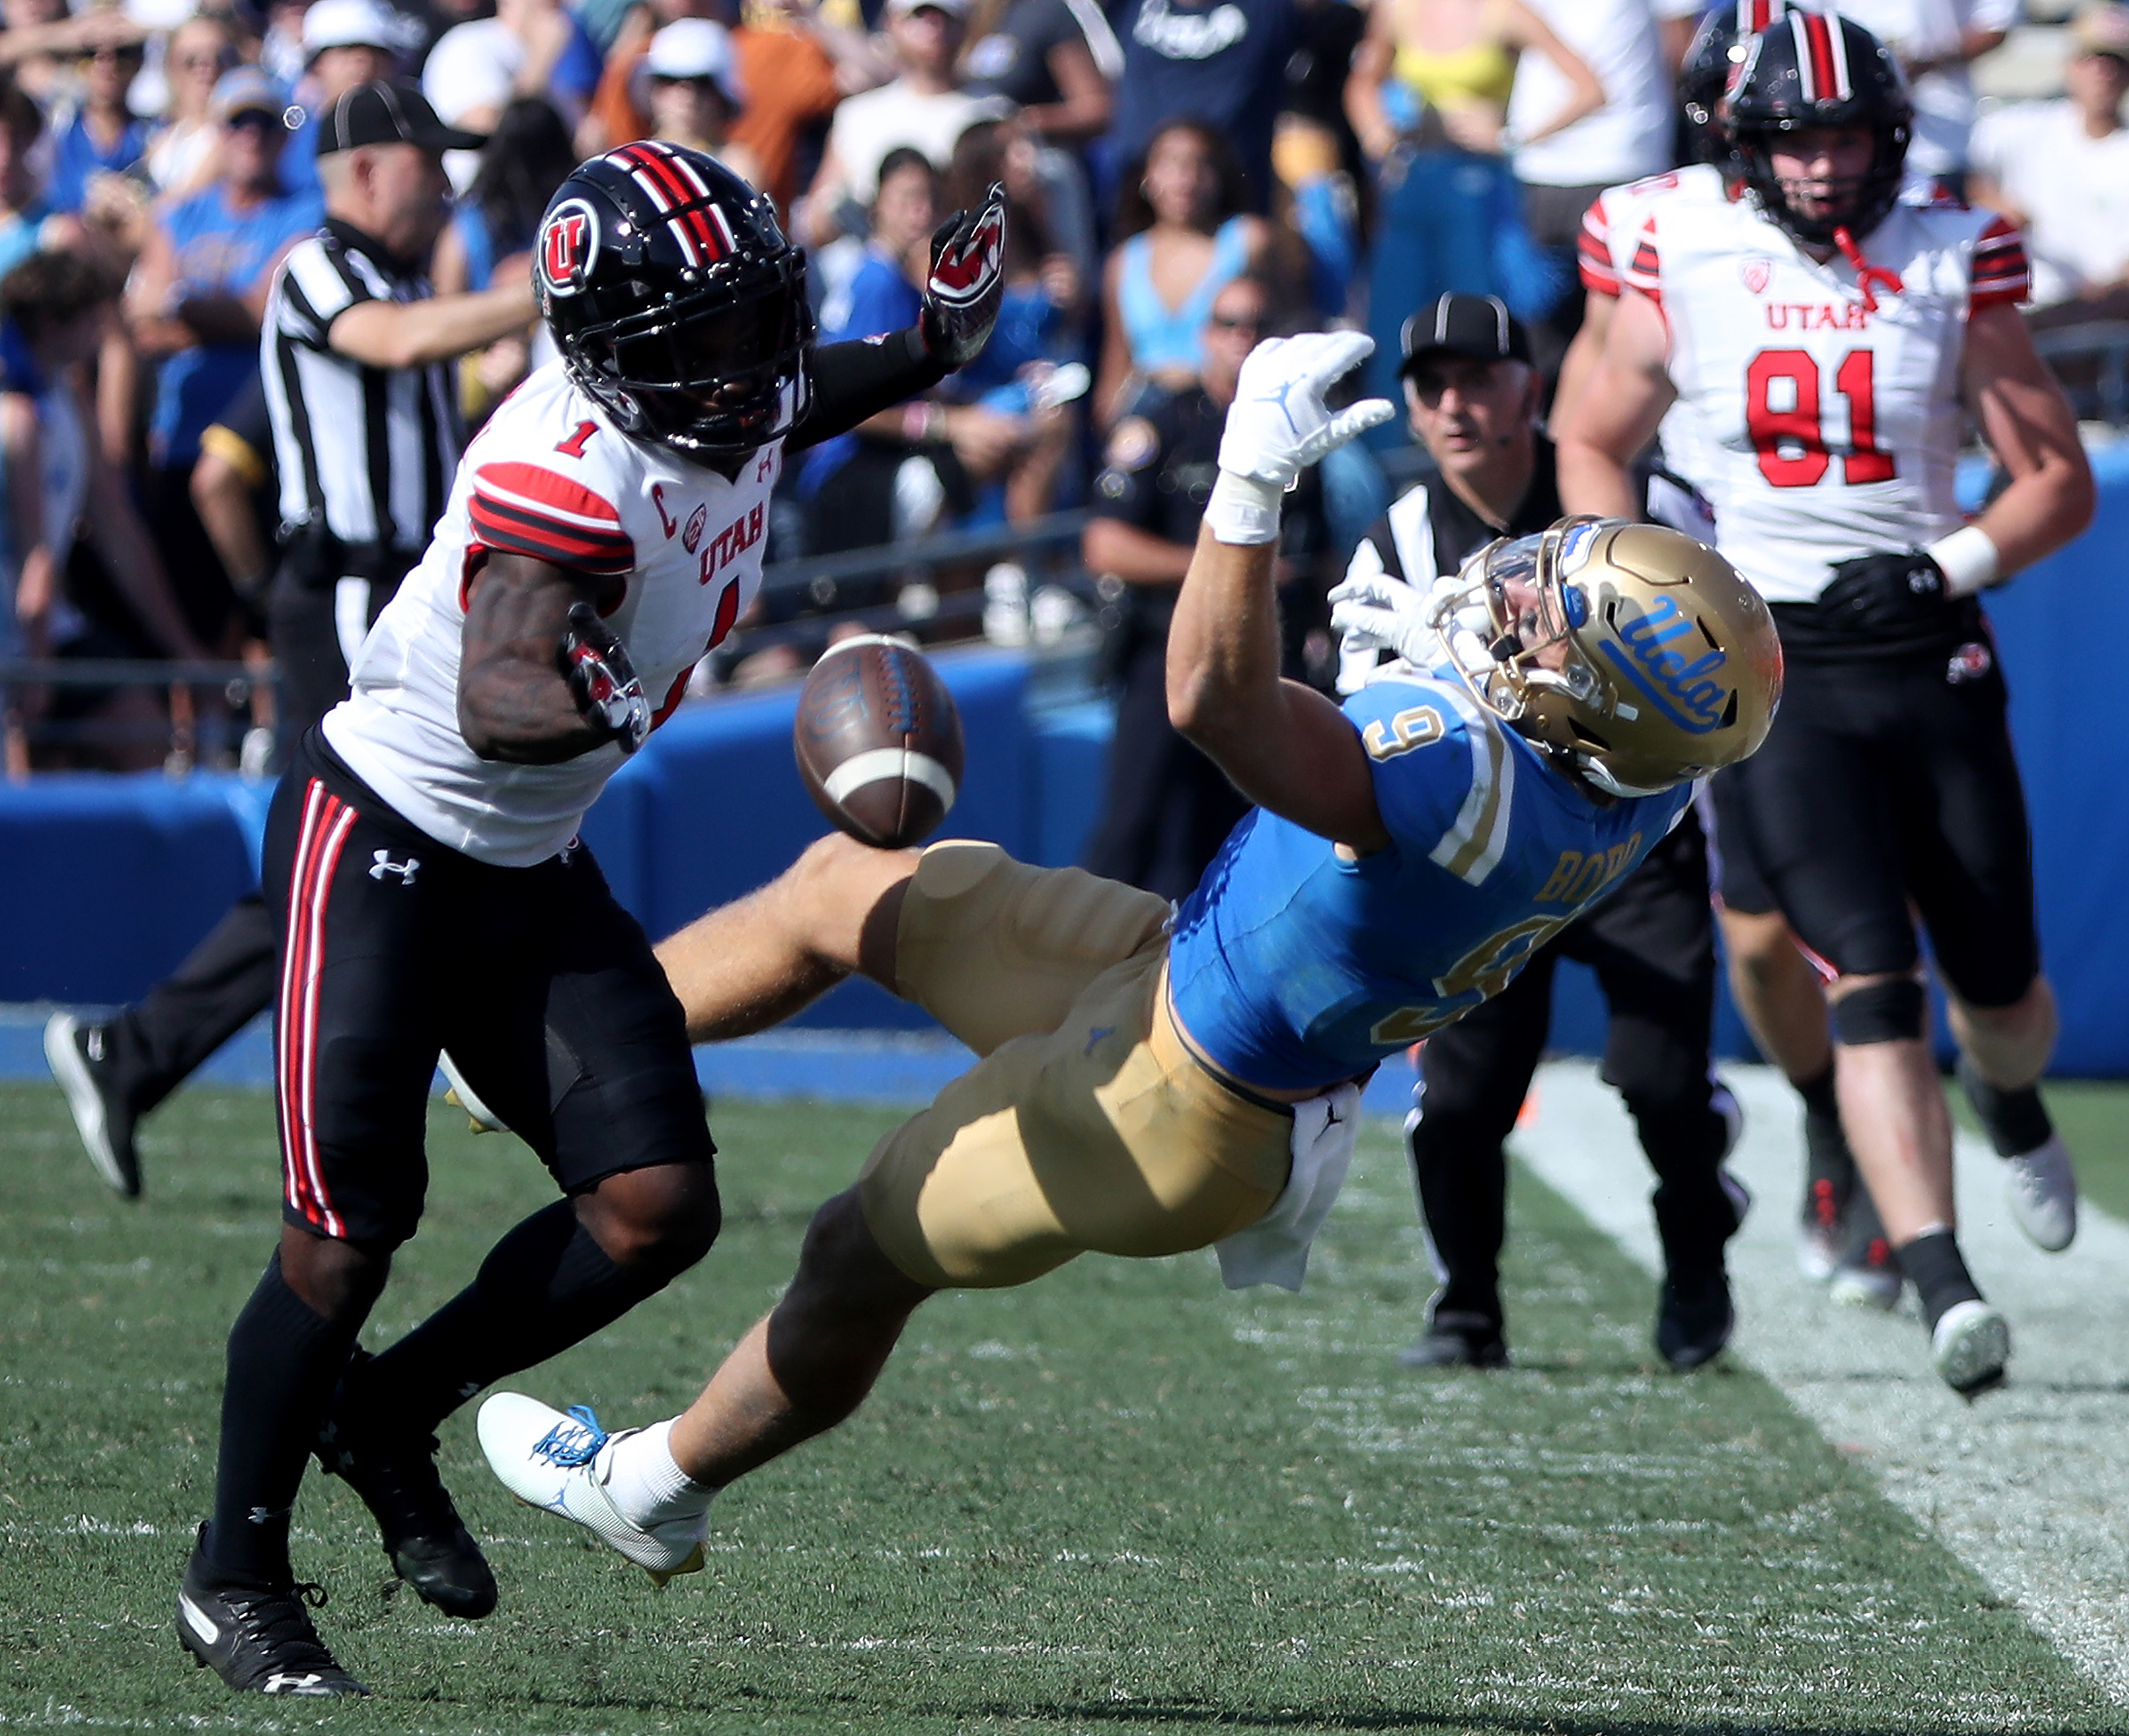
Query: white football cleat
[(1970, 1346), (2042, 1189), (484, 1119), (562, 1463)]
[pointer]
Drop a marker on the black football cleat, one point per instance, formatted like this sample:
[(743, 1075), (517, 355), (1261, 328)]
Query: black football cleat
[(1457, 1341), (1694, 1318), (258, 1639), (101, 1116), (428, 1543)]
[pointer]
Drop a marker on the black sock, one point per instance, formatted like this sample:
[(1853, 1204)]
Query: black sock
[(545, 1287), (2016, 1122), (283, 1362), (1934, 1266), (1827, 1159)]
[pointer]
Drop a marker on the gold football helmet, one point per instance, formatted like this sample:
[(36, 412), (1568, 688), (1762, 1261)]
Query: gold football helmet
[(1629, 649)]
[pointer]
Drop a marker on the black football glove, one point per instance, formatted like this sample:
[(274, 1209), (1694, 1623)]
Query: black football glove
[(967, 282), (602, 680), (1884, 594)]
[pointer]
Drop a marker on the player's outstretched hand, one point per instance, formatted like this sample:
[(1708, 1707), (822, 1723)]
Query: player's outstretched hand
[(1279, 424), (967, 282), (1876, 593), (1377, 613)]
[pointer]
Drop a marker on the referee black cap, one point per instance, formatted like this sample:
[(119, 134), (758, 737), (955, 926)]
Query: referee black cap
[(1476, 327), (389, 111)]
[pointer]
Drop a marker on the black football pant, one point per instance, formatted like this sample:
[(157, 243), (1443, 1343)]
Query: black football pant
[(1652, 946), (228, 979)]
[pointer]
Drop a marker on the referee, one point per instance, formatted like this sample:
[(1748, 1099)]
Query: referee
[(1472, 397), (354, 353)]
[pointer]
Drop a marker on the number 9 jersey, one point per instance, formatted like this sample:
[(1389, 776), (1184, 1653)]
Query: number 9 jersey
[(1829, 408)]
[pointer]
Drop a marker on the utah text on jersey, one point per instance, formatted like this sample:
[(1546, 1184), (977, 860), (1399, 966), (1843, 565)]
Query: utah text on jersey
[(551, 477)]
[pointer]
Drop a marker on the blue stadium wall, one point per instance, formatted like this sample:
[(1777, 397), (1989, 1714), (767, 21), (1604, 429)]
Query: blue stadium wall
[(107, 881)]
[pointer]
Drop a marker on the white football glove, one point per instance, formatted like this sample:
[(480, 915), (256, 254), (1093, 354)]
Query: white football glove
[(1278, 426), (1375, 612)]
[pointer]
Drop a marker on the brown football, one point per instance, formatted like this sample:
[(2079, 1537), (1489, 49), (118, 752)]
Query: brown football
[(878, 740)]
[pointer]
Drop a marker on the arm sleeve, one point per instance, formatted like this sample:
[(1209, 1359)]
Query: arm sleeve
[(526, 509), (853, 381)]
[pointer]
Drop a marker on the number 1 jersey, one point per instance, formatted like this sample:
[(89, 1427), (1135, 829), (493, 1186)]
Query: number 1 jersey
[(1829, 413)]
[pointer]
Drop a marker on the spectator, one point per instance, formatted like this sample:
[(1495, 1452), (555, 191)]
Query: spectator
[(1936, 42), (1562, 170), (42, 46), (53, 310), (903, 471), (793, 64), (1429, 98), (27, 222), (2061, 169), (345, 44), (1054, 60), (195, 302), (924, 108), (181, 151), (1222, 62), (530, 47), (692, 88), (525, 159), (1184, 235), (100, 134), (496, 220)]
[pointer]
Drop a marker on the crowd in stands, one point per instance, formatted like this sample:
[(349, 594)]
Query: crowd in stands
[(158, 159)]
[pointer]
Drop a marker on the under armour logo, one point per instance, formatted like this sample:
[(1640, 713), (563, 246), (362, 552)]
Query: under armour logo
[(1094, 1037), (267, 1515), (282, 1682), (381, 864)]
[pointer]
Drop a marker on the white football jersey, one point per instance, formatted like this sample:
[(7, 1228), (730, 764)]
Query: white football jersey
[(1830, 412), (549, 476), (1611, 229)]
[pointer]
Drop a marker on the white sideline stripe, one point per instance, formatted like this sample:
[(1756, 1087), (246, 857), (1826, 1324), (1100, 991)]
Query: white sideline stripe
[(878, 764), (2030, 1485)]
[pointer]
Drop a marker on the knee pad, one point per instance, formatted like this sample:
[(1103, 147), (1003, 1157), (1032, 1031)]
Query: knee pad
[(1892, 1011)]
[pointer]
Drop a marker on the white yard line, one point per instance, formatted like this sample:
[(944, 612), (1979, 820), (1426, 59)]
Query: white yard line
[(2030, 1485)]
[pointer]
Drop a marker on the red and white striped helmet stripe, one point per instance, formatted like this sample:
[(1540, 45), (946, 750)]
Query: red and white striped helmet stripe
[(681, 196), (1755, 16), (1821, 48)]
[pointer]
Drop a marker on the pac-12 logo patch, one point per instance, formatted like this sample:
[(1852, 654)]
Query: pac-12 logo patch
[(568, 246), (692, 536), (1756, 272)]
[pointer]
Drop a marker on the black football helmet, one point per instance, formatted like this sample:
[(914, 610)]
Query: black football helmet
[(1718, 55), (676, 300), (1819, 69)]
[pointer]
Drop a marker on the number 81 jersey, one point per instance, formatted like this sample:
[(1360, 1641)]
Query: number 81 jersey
[(1830, 410)]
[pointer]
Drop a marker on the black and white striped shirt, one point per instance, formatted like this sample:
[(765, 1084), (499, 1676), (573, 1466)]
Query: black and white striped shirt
[(366, 454)]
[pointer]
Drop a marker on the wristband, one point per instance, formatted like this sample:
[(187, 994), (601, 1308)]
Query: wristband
[(1243, 511), (1968, 560)]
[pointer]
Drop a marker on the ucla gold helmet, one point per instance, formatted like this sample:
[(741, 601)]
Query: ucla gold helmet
[(1630, 649)]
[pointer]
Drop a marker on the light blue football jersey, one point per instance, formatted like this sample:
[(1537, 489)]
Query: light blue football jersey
[(1294, 968)]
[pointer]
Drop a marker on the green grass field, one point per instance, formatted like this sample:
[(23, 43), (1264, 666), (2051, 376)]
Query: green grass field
[(1119, 1501)]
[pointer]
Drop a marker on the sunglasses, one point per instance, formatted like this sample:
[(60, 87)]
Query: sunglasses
[(694, 81), (122, 56), (258, 120), (1222, 322)]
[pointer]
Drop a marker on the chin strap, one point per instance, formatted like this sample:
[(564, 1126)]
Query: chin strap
[(1866, 274)]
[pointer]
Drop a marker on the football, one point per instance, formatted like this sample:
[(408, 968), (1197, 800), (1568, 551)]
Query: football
[(878, 740)]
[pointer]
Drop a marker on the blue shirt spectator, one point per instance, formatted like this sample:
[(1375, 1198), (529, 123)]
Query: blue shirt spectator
[(101, 136)]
